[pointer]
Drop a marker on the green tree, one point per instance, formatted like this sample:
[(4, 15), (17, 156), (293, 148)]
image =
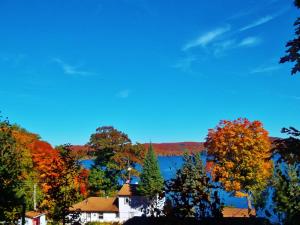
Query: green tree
[(151, 183), (286, 181), (11, 199), (293, 46), (114, 155), (151, 180), (287, 194), (191, 191), (66, 193), (98, 182)]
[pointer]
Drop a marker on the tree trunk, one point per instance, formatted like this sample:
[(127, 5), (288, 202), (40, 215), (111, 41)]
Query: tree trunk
[(249, 203), (64, 218), (23, 211)]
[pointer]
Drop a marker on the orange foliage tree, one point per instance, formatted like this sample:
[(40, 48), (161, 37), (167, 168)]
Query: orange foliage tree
[(241, 154), (29, 177), (48, 168)]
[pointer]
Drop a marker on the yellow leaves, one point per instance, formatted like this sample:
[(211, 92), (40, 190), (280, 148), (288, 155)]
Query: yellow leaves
[(229, 165), (236, 185), (240, 194), (240, 149)]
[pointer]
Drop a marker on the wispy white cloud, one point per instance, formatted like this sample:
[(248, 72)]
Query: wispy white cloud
[(223, 46), (240, 14), (249, 41), (206, 38), (265, 69), (220, 48), (185, 64), (258, 22), (123, 93), (70, 69)]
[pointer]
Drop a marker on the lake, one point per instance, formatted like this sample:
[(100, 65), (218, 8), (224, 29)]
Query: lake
[(170, 164)]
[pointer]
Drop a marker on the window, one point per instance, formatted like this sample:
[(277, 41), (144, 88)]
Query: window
[(127, 201), (88, 217), (100, 216)]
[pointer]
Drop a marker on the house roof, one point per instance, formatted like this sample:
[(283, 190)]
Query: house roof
[(128, 190), (33, 214), (96, 204), (237, 212)]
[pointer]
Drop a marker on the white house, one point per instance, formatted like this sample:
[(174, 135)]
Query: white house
[(97, 209), (127, 204), (35, 218)]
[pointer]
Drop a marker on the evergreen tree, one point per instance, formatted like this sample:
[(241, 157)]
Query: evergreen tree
[(190, 192), (152, 184), (286, 195), (151, 180)]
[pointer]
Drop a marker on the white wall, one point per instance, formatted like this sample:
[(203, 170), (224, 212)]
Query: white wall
[(43, 220), (96, 217), (29, 221), (135, 207), (110, 217)]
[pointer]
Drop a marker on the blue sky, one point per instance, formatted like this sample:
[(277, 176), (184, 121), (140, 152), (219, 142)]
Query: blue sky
[(158, 70)]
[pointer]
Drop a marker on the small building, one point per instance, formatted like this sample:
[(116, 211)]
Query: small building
[(127, 204), (237, 212), (95, 209), (130, 203), (35, 218)]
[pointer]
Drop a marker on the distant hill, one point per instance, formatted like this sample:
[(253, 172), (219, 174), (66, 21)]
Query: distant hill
[(176, 148), (162, 149)]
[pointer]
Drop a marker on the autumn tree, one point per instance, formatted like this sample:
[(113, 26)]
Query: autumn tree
[(293, 46), (36, 176), (191, 191), (30, 188), (58, 175), (83, 182), (241, 155), (114, 153), (48, 165), (11, 200)]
